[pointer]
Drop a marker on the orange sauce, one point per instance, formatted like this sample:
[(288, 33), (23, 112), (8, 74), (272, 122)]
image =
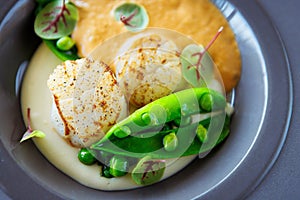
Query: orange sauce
[(199, 19)]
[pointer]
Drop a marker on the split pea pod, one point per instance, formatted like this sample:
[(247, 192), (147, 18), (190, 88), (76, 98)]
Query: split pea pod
[(180, 105), (151, 143)]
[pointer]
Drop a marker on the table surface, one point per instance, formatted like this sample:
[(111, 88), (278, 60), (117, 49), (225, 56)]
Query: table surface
[(283, 180)]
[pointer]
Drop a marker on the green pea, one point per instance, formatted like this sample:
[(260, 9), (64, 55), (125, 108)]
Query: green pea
[(170, 142), (146, 118), (201, 133), (65, 43), (87, 156), (124, 131), (206, 102), (118, 166), (105, 172)]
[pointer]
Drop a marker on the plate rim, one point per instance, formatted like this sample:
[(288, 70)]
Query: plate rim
[(274, 157)]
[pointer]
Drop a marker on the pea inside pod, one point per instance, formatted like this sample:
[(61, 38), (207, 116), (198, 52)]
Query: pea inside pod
[(65, 43), (170, 142)]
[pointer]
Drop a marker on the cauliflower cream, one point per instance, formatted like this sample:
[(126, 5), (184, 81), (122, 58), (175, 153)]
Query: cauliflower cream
[(36, 96)]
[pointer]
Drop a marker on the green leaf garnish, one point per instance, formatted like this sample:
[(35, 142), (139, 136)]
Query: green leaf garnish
[(36, 133), (192, 70), (30, 133), (55, 20), (133, 16), (197, 66), (148, 171)]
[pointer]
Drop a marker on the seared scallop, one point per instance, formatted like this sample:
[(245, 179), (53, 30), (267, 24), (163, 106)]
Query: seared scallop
[(148, 68), (86, 101)]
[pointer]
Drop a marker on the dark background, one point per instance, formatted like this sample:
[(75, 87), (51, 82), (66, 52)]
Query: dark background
[(283, 180)]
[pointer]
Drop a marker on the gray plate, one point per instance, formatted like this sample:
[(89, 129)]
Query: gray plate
[(263, 108)]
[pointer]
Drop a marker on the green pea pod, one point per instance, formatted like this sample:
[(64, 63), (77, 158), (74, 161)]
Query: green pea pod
[(142, 145), (62, 55), (166, 109)]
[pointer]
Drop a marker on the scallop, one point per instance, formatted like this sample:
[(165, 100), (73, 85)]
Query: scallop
[(149, 68), (86, 101)]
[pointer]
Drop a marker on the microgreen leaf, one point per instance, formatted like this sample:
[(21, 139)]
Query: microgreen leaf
[(31, 133), (35, 133), (197, 65), (148, 171), (55, 20), (194, 71), (133, 16)]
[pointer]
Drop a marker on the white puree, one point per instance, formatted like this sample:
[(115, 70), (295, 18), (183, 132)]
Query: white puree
[(37, 97)]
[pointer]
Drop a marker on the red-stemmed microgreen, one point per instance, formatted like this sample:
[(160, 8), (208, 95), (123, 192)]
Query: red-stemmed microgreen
[(150, 164), (61, 13), (196, 62), (126, 20), (30, 133), (201, 54), (55, 20), (133, 16), (148, 171)]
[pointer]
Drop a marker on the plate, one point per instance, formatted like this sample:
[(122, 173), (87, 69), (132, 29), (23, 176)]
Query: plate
[(232, 171)]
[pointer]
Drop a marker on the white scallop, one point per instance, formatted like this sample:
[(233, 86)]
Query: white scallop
[(149, 68), (87, 100)]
